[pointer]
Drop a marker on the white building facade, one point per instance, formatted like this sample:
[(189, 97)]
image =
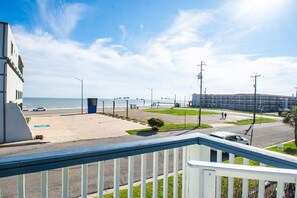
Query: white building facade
[(13, 126), (245, 102)]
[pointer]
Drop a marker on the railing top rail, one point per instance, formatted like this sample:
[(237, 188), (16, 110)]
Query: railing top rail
[(257, 154), (248, 172), (24, 164)]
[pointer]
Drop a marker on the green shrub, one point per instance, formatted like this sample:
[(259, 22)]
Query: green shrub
[(155, 123), (28, 119)]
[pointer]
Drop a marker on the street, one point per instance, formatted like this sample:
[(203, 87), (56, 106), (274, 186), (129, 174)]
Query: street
[(264, 135)]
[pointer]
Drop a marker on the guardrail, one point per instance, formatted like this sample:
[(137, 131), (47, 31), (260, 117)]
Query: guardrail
[(185, 148)]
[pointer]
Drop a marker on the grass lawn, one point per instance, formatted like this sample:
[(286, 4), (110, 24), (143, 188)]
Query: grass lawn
[(250, 121), (289, 148), (170, 127), (149, 189), (179, 112)]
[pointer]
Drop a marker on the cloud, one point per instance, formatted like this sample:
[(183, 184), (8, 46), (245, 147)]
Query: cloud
[(124, 33), (61, 18), (168, 65)]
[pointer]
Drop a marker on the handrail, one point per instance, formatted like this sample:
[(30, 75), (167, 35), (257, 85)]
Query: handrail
[(247, 172), (257, 154), (24, 164)]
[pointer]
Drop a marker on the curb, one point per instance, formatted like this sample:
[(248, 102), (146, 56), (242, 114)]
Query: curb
[(22, 143)]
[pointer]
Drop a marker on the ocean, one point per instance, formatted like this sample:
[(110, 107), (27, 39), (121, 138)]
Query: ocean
[(75, 103)]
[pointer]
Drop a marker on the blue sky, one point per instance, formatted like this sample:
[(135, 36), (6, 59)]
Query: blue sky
[(121, 48)]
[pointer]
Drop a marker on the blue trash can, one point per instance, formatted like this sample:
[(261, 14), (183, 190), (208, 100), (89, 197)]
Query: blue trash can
[(92, 105)]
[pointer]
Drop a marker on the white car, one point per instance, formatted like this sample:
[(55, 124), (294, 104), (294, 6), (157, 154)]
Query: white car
[(39, 109), (231, 137)]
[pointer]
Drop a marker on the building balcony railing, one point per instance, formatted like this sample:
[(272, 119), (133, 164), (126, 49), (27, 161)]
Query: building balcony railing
[(197, 157)]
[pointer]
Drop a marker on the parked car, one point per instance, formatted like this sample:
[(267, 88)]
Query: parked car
[(39, 109), (231, 137)]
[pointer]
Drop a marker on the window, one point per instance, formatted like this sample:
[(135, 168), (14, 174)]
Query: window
[(18, 95)]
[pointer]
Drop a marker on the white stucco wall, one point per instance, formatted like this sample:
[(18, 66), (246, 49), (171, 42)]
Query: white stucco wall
[(16, 126), (15, 55), (13, 83)]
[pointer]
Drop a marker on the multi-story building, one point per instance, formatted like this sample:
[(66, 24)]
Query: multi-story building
[(245, 102), (12, 123)]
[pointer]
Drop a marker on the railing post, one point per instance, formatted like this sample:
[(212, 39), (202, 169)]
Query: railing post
[(194, 175), (209, 183)]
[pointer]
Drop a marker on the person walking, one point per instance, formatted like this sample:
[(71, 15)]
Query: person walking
[(225, 116), (222, 115)]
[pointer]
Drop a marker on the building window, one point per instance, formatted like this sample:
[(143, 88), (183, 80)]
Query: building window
[(18, 95), (11, 50)]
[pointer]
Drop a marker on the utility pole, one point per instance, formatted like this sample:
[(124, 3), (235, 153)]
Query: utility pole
[(255, 96), (200, 101), (255, 104)]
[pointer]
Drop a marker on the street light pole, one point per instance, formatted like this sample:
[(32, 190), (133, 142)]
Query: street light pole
[(151, 89), (82, 94), (200, 101)]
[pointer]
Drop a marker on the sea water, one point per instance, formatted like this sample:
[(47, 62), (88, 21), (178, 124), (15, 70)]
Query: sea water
[(75, 103)]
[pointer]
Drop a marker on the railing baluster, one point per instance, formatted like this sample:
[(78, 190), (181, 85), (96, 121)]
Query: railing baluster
[(261, 190), (280, 190), (155, 175), (219, 179), (130, 176), (165, 173), (21, 186), (65, 182), (245, 182), (143, 176), (175, 177), (184, 186), (116, 182), (294, 196), (100, 178), (231, 179), (44, 184), (84, 181)]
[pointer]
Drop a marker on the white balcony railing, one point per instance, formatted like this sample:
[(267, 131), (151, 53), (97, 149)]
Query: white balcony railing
[(152, 158)]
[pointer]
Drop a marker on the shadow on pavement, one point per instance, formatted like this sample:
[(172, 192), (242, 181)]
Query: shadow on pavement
[(146, 133)]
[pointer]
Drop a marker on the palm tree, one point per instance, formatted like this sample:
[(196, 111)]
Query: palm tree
[(290, 118)]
